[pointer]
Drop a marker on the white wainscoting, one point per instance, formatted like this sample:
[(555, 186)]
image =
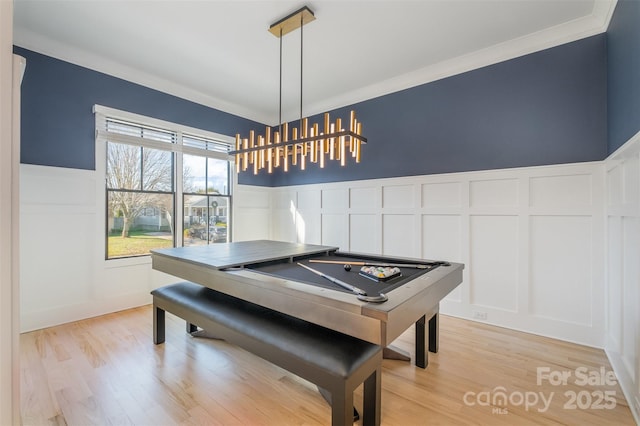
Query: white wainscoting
[(532, 239), (63, 274), (251, 213), (623, 268)]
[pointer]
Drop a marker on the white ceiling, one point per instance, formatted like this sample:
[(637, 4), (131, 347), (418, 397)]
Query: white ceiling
[(220, 54)]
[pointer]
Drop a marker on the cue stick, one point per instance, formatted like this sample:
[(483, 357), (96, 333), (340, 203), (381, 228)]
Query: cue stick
[(397, 265), (360, 293)]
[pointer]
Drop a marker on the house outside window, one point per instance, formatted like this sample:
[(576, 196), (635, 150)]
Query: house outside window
[(165, 185)]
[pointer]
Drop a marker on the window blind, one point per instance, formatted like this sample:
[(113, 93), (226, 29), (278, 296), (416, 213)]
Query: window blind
[(131, 129)]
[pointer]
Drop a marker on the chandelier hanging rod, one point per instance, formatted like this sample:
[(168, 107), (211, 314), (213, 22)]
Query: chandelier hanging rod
[(307, 142)]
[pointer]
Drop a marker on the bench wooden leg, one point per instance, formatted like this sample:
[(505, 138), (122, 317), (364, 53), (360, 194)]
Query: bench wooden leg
[(158, 325), (327, 397), (372, 394), (342, 408)]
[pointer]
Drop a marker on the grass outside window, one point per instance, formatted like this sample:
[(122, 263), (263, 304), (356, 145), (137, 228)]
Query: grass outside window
[(138, 243)]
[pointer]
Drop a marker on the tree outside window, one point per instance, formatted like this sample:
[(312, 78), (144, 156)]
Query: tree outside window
[(143, 191)]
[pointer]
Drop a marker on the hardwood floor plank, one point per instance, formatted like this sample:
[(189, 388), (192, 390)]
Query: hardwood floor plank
[(35, 397), (107, 371)]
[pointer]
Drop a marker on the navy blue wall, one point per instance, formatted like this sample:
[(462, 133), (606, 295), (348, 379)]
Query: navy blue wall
[(58, 124), (545, 108), (548, 107), (623, 80)]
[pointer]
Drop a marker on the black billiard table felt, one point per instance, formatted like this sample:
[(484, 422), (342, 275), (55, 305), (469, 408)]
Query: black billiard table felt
[(292, 271)]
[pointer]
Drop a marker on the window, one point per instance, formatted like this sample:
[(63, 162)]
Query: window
[(155, 169), (205, 199)]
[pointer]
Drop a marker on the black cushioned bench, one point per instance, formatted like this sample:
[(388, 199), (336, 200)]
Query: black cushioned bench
[(333, 361)]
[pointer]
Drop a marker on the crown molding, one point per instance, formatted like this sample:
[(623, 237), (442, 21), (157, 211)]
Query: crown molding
[(597, 22), (34, 42), (591, 25)]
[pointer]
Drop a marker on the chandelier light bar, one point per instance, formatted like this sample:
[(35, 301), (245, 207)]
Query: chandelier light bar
[(306, 143)]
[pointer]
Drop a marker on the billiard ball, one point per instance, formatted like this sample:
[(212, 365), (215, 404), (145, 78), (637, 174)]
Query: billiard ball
[(347, 267)]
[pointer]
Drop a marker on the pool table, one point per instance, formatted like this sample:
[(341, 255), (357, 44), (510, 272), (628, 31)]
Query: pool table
[(268, 273)]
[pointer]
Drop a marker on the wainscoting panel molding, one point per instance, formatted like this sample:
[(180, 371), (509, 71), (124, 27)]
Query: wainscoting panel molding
[(63, 274), (251, 213), (623, 268), (532, 239), (492, 242), (552, 250)]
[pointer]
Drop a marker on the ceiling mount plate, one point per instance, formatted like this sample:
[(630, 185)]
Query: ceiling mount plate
[(292, 22)]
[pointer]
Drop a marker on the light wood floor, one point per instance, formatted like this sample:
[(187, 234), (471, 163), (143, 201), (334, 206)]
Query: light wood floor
[(107, 370)]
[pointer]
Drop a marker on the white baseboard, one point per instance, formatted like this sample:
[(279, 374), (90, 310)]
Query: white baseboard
[(78, 311)]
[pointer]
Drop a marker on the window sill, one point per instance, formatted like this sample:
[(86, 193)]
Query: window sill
[(128, 261)]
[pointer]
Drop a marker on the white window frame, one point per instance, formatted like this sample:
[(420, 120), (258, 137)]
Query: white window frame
[(101, 114)]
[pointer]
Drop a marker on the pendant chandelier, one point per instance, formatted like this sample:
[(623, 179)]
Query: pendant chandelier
[(335, 141)]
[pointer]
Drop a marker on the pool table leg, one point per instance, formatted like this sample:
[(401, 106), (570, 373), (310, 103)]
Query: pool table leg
[(434, 335), (422, 355), (393, 352), (426, 338), (194, 331)]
